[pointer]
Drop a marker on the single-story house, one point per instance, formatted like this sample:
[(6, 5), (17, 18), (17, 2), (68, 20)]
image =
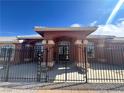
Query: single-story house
[(65, 44)]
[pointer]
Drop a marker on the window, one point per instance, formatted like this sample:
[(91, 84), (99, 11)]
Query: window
[(3, 51), (90, 50), (39, 48), (27, 45), (64, 43), (64, 47), (60, 50)]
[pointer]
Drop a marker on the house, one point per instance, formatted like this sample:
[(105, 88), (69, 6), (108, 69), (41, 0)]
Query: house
[(65, 44), (6, 43), (21, 47), (106, 49)]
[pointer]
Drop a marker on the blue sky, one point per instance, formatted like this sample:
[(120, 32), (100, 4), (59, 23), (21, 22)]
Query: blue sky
[(18, 17)]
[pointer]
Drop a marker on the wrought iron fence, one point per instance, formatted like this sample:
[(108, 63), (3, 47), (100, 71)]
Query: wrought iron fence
[(106, 65), (101, 65), (17, 64)]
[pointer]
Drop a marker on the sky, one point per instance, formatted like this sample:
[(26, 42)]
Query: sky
[(18, 17)]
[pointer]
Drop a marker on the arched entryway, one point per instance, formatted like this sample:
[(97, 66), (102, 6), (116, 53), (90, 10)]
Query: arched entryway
[(68, 64), (63, 51)]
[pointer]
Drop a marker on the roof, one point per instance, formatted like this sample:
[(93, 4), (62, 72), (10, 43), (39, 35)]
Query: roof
[(8, 40), (112, 39), (100, 37), (39, 28), (30, 37), (118, 40)]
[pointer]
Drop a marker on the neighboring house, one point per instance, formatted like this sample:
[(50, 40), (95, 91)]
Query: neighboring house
[(20, 47), (106, 49), (29, 44), (8, 43)]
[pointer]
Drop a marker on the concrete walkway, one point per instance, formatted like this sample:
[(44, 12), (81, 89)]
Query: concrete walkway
[(97, 73), (8, 90), (77, 91), (11, 87)]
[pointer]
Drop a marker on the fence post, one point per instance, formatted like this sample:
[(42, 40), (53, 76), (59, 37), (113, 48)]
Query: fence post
[(8, 59), (46, 60), (38, 66), (85, 53), (65, 70)]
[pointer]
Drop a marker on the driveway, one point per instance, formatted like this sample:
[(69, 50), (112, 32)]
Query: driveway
[(96, 73)]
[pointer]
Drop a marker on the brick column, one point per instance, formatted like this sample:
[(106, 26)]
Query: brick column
[(17, 55), (50, 47), (85, 42), (43, 61), (79, 53)]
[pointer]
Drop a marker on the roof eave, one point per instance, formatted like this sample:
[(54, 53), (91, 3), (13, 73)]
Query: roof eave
[(40, 29)]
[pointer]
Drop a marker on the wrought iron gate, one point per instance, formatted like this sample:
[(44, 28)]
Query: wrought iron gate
[(64, 69)]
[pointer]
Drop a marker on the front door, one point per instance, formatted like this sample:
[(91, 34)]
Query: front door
[(63, 51)]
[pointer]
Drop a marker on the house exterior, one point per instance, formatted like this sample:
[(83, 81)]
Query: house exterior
[(65, 44), (21, 47), (27, 46), (6, 43)]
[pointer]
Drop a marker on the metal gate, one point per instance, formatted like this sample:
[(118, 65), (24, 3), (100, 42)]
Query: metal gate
[(64, 69)]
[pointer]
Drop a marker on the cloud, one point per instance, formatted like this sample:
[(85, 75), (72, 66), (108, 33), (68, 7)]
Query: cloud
[(111, 29), (93, 23), (121, 19), (108, 29), (75, 25)]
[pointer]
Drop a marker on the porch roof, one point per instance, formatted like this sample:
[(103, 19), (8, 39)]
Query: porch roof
[(72, 32), (40, 28)]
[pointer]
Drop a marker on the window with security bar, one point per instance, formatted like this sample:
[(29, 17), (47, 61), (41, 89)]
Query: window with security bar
[(91, 50)]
